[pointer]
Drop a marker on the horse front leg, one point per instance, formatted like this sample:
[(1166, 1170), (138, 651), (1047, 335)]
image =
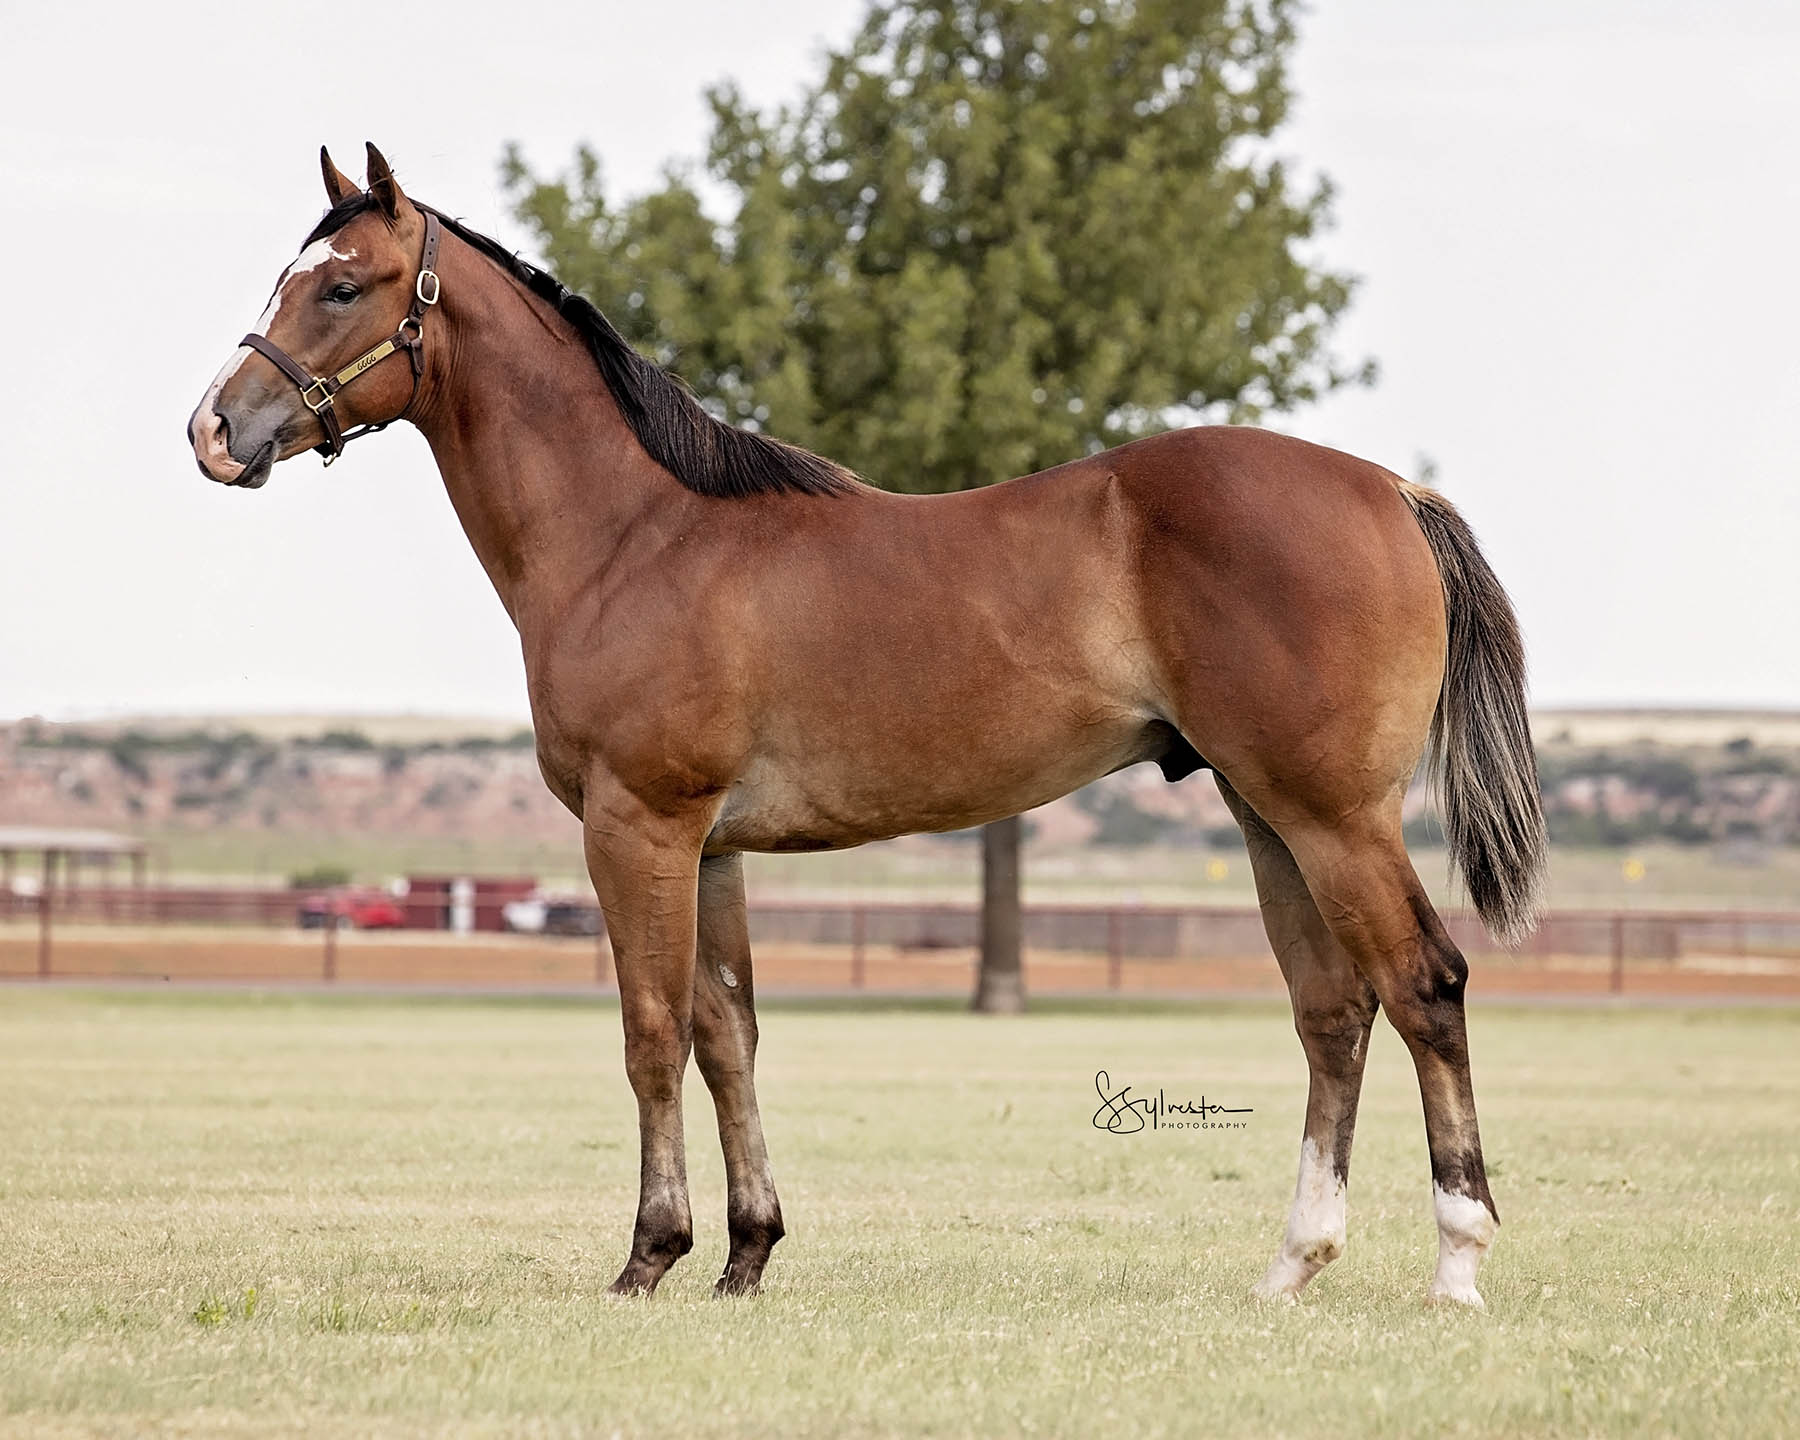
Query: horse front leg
[(646, 874), (725, 1047)]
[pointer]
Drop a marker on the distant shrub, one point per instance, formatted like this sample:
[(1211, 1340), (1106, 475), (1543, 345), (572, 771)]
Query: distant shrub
[(194, 796), (1120, 821), (1759, 764), (1685, 830), (35, 737), (1668, 777), (320, 877), (1424, 829), (1599, 831), (129, 757)]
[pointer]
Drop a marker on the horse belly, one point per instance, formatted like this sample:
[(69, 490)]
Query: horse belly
[(835, 799)]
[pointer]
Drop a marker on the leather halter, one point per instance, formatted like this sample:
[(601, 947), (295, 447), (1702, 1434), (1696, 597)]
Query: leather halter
[(317, 392)]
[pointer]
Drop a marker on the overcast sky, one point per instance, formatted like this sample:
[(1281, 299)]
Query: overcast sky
[(1576, 224)]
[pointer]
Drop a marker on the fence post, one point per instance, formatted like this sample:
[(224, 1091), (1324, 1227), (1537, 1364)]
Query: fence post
[(331, 920), (1115, 950), (859, 934), (44, 933), (1618, 955)]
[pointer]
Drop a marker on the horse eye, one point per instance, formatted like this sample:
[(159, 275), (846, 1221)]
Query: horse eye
[(342, 294)]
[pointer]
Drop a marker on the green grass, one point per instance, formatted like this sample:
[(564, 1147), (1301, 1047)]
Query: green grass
[(263, 1215)]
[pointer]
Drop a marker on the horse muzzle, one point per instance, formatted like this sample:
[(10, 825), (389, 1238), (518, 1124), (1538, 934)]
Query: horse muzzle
[(210, 436)]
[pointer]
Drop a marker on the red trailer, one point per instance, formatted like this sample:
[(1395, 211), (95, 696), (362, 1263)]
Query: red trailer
[(462, 902)]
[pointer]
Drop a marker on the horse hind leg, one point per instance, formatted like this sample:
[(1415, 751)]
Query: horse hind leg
[(1369, 895), (1334, 1009), (725, 1049)]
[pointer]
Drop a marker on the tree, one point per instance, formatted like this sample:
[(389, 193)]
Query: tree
[(993, 236)]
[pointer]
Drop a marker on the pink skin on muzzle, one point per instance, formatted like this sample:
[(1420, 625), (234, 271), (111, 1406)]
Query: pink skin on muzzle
[(209, 446)]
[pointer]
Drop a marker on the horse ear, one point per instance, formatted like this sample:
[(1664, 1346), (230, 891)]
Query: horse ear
[(382, 184), (337, 184)]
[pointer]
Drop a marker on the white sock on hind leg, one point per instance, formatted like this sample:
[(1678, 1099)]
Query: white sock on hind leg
[(1315, 1228), (1465, 1230)]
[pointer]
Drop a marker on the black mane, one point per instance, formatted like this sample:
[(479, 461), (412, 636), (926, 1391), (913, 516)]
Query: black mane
[(707, 455)]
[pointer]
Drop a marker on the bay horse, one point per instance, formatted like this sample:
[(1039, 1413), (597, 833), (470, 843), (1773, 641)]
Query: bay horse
[(734, 645)]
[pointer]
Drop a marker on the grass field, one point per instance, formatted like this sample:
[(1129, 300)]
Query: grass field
[(336, 1215)]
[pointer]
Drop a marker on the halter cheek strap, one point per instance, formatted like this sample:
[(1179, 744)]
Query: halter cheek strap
[(319, 392)]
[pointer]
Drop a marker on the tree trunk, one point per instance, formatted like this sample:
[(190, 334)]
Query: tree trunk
[(1000, 988)]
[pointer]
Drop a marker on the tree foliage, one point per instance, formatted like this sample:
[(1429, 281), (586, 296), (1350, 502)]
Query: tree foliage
[(993, 235)]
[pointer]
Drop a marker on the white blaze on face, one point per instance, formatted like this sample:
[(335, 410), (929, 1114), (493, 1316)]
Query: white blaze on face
[(310, 259), (210, 445), (1465, 1230), (209, 437), (1315, 1228)]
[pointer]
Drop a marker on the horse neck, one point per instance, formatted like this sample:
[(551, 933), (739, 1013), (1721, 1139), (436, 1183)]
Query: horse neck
[(547, 478)]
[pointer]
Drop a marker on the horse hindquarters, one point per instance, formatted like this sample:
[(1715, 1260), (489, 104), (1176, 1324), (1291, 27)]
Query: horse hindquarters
[(1310, 668)]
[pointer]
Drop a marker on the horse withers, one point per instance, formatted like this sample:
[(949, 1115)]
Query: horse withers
[(734, 645)]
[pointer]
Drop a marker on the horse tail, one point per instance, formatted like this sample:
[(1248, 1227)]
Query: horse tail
[(1481, 755)]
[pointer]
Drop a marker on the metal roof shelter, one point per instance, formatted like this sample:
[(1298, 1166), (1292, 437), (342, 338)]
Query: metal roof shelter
[(71, 847)]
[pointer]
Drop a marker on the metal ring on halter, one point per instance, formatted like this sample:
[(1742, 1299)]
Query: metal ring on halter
[(437, 287)]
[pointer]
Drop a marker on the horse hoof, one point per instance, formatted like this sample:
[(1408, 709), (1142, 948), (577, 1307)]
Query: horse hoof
[(1284, 1280), (635, 1280)]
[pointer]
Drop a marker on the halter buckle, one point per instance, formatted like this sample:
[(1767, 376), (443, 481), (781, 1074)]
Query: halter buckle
[(437, 287), (324, 400)]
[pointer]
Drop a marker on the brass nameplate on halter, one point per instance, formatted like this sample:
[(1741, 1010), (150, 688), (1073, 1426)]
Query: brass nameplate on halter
[(356, 367)]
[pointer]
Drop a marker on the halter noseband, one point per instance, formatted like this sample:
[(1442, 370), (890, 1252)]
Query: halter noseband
[(318, 392)]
